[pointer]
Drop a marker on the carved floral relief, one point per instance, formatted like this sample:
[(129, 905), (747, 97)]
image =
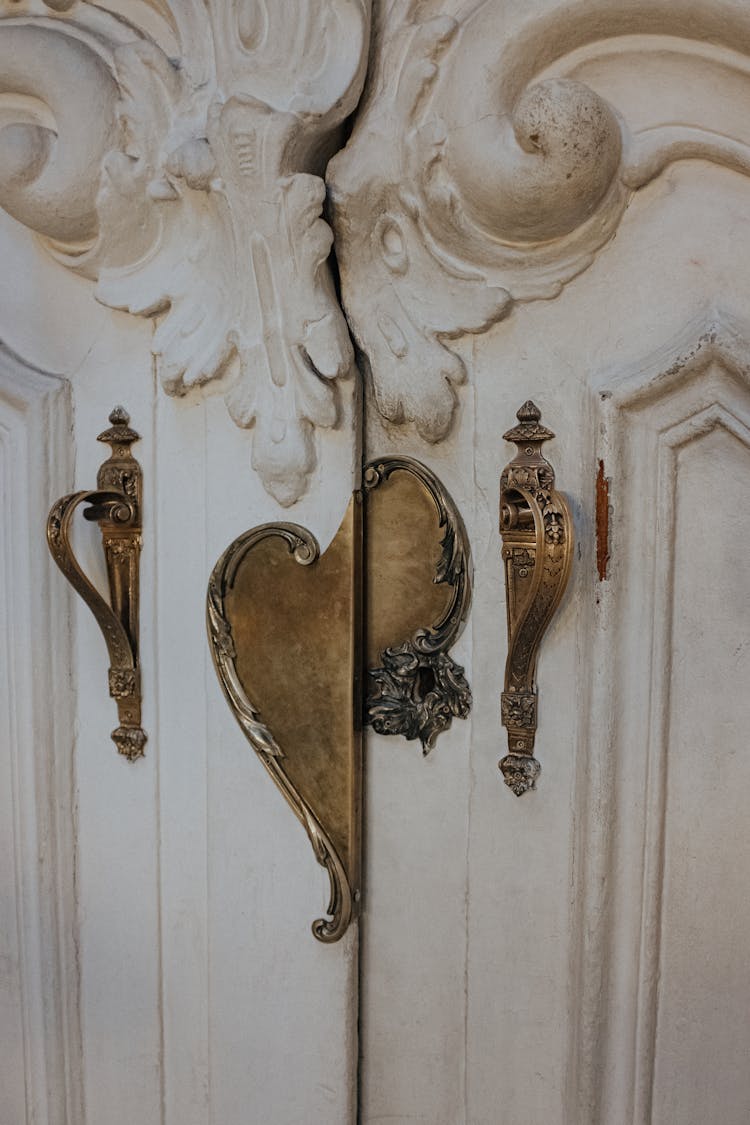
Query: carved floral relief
[(494, 154), (192, 192)]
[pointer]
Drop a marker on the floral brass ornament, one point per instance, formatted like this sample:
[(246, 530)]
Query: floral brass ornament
[(291, 630), (537, 534), (416, 689), (116, 506)]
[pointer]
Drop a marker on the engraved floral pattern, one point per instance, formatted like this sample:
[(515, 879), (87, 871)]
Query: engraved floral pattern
[(537, 549), (519, 709), (416, 694), (520, 772), (192, 194), (418, 689), (122, 682)]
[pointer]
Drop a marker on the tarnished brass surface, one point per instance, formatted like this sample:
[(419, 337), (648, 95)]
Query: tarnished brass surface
[(418, 592), (286, 629), (537, 534), (116, 506), (284, 623)]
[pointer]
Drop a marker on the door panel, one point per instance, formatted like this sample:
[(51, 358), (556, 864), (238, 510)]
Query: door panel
[(202, 990), (571, 957), (40, 1055), (539, 954), (704, 913), (674, 642)]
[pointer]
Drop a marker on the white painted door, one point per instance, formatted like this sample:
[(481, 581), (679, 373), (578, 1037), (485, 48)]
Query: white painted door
[(576, 955), (566, 182), (156, 916)]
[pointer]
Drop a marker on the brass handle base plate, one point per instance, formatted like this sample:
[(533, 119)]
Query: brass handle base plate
[(284, 624), (418, 579), (287, 624)]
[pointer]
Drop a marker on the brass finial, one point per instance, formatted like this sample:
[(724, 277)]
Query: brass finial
[(529, 427), (529, 412), (119, 433), (119, 416)]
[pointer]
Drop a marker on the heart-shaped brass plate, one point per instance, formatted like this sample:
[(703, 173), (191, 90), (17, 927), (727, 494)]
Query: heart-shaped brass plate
[(286, 630)]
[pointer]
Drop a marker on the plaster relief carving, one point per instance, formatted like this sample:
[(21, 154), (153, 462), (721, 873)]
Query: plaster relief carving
[(193, 194), (494, 154)]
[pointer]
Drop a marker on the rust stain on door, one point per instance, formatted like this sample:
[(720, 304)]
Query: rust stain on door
[(602, 522)]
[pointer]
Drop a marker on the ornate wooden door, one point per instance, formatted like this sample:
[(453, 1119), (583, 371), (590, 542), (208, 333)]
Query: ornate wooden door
[(545, 201)]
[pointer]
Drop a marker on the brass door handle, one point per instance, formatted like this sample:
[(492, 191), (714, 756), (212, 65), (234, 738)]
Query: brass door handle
[(309, 646), (116, 506), (537, 533)]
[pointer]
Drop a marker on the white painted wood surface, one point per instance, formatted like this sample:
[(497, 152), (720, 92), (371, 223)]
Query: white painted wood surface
[(576, 955), (40, 1042), (566, 954), (202, 990), (573, 957)]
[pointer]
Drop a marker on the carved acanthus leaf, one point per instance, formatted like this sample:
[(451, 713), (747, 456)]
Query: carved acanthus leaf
[(207, 214), (488, 165), (402, 327)]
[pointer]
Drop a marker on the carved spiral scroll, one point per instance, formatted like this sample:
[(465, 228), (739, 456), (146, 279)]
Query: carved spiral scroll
[(494, 155), (172, 152)]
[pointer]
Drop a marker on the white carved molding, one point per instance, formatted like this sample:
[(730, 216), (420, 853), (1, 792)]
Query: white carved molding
[(494, 154), (173, 152), (650, 791), (40, 1062)]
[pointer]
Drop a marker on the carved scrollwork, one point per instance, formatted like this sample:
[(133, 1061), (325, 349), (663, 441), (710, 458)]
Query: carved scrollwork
[(192, 194), (489, 165)]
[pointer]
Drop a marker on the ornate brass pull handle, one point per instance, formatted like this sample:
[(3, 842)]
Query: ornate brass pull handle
[(294, 633), (537, 534), (116, 506)]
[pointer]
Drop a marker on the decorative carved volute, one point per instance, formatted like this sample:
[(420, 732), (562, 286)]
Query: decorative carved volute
[(495, 153), (193, 191), (493, 157)]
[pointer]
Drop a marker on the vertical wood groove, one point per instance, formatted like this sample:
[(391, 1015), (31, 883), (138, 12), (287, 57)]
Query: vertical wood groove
[(35, 422)]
